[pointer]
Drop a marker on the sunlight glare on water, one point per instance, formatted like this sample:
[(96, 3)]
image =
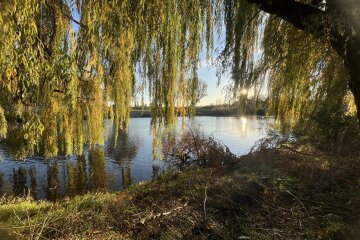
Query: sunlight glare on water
[(116, 166)]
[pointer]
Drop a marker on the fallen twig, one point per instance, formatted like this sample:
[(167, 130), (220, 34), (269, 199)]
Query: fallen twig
[(205, 198), (154, 216)]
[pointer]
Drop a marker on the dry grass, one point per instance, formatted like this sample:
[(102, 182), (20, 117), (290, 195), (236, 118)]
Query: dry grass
[(281, 191)]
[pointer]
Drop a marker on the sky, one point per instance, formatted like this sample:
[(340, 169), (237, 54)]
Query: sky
[(206, 72)]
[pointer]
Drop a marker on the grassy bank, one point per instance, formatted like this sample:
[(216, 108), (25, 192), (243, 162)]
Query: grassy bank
[(282, 192)]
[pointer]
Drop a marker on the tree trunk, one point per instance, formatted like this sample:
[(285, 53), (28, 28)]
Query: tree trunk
[(347, 45), (336, 23), (352, 62)]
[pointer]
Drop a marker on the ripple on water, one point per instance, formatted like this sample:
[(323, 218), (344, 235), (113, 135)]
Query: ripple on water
[(116, 166)]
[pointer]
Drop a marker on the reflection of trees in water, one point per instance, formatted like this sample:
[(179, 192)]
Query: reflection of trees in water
[(126, 175), (71, 180), (1, 182), (76, 177), (19, 179), (97, 167), (81, 177), (124, 150), (20, 184), (122, 146), (33, 182), (53, 190), (77, 180)]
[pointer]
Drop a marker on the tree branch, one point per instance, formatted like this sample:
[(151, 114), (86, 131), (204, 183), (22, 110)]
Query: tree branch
[(296, 13), (63, 10), (342, 4), (72, 19), (336, 24)]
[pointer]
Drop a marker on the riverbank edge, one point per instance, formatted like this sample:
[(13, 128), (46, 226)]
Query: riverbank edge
[(271, 193), (205, 112)]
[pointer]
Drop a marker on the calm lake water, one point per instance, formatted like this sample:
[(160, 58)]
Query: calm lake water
[(116, 168)]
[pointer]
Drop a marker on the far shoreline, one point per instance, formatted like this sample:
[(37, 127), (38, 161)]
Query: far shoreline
[(208, 111)]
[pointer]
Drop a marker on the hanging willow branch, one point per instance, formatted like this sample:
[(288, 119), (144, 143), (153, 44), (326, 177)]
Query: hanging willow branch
[(95, 65)]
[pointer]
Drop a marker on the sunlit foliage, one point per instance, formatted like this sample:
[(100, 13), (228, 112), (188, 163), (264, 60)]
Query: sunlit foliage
[(305, 74), (65, 65), (3, 123), (65, 75), (307, 82)]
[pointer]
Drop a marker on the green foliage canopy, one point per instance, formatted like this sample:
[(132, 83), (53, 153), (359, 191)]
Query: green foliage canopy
[(53, 76)]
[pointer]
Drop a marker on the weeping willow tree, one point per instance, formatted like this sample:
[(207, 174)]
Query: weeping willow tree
[(66, 62), (307, 81), (304, 53), (54, 75)]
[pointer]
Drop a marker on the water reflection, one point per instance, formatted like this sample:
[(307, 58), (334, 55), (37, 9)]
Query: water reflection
[(33, 181), (97, 168), (81, 176), (123, 151), (19, 179), (124, 159), (53, 188), (243, 125), (83, 173), (72, 180), (1, 182)]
